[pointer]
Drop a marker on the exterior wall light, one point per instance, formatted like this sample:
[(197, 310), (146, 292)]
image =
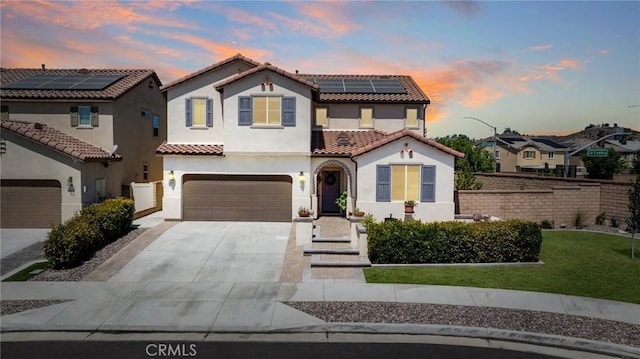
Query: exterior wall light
[(172, 177), (70, 188), (301, 178)]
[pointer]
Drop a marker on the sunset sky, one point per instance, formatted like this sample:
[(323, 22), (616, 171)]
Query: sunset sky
[(536, 67)]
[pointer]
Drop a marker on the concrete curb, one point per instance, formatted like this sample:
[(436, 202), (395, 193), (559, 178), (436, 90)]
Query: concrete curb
[(354, 332)]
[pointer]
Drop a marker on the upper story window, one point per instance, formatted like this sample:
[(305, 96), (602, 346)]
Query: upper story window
[(497, 154), (366, 117), (412, 117), (529, 154), (405, 183), (266, 111), (321, 117), (156, 126), (552, 155), (198, 112), (84, 116)]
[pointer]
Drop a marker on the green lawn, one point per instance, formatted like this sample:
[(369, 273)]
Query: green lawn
[(577, 263), (24, 274)]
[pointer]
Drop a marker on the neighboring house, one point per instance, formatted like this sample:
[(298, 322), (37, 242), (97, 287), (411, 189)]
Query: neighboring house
[(250, 141), (628, 149), (71, 138), (527, 154)]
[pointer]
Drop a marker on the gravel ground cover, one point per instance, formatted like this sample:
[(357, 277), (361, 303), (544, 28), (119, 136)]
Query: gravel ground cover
[(499, 318), (14, 306)]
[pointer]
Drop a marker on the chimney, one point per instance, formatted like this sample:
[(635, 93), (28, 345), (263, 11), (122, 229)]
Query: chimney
[(44, 67)]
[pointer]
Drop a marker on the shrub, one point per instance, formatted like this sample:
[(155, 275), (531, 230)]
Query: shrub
[(579, 220), (546, 224), (68, 244), (601, 218), (454, 242), (615, 222), (114, 217)]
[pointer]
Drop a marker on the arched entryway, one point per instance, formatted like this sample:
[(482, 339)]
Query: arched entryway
[(331, 179)]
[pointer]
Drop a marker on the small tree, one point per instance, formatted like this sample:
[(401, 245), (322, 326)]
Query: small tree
[(636, 163), (634, 208), (604, 167)]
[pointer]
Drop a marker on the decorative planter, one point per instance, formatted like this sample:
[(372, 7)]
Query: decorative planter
[(408, 208), (358, 214), (304, 214)]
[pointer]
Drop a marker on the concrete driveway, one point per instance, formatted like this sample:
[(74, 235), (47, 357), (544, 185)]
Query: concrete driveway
[(212, 252)]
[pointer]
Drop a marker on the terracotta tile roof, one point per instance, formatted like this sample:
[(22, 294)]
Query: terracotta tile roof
[(210, 68), (58, 141), (189, 149), (131, 78), (341, 143), (414, 93), (266, 66), (354, 143)]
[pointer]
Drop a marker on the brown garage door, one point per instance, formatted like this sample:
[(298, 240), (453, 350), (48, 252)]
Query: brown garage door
[(236, 198), (30, 203)]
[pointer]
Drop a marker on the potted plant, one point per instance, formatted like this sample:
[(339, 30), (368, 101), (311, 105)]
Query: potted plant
[(342, 201), (408, 206), (304, 212), (358, 213)]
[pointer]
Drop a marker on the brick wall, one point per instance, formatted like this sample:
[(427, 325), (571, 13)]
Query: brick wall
[(536, 198)]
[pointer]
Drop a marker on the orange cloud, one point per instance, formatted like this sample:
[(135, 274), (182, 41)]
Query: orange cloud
[(552, 72), (218, 50), (245, 17), (330, 15), (89, 15)]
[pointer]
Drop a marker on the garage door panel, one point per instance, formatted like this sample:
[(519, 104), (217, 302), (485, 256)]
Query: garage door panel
[(30, 203), (237, 198)]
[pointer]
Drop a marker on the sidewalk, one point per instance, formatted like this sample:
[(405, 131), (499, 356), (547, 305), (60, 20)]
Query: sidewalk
[(259, 308)]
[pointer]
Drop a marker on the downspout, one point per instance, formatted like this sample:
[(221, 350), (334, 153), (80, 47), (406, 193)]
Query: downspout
[(353, 184)]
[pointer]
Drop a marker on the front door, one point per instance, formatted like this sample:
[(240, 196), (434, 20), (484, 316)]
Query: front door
[(330, 192)]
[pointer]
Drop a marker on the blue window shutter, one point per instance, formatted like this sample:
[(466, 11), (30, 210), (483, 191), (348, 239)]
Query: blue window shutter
[(187, 112), (244, 111), (383, 183), (289, 111), (209, 112), (428, 184)]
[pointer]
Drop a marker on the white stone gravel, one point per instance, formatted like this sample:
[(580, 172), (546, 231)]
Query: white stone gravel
[(486, 317)]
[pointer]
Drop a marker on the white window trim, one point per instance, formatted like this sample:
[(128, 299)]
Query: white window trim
[(266, 125), (526, 154)]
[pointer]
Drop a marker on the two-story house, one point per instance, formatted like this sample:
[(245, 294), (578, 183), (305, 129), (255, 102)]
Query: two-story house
[(251, 141), (526, 154), (72, 137)]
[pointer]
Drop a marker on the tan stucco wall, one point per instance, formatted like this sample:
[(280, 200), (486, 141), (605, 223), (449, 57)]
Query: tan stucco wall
[(387, 117)]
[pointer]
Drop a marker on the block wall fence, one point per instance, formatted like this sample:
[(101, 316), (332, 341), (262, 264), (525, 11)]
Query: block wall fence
[(538, 198)]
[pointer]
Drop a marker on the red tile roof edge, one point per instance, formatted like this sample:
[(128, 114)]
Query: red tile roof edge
[(187, 149), (209, 68), (50, 138), (404, 133), (266, 66)]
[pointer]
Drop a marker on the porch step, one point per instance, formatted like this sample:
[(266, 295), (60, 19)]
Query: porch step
[(331, 240), (309, 250), (355, 262)]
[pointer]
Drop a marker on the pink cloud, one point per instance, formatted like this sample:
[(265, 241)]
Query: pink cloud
[(89, 15), (333, 16), (539, 48)]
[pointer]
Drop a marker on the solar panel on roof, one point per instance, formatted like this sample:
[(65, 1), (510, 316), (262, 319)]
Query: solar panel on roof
[(511, 140), (549, 142), (64, 82), (360, 86)]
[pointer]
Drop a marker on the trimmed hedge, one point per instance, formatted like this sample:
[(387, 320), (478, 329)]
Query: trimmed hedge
[(70, 243), (454, 242)]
